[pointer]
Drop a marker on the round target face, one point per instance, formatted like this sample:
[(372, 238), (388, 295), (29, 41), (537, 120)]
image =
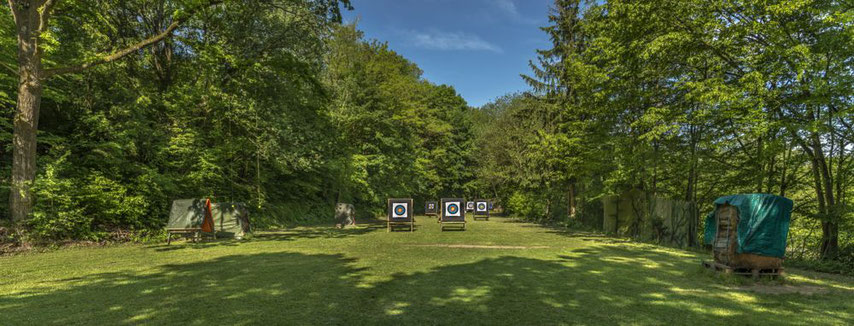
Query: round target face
[(399, 210), (452, 209), (481, 206)]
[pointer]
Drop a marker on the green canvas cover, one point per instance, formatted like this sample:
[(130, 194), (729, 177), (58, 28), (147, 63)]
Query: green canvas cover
[(230, 219), (763, 223), (641, 215), (187, 214)]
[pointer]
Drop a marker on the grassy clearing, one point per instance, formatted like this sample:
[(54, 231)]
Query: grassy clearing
[(497, 272)]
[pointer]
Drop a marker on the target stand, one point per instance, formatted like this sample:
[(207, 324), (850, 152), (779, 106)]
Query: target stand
[(400, 213), (431, 208), (481, 209), (453, 214)]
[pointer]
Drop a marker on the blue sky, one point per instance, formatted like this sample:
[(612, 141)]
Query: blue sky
[(478, 46)]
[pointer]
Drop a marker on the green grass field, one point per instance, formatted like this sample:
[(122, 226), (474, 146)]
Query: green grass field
[(496, 272)]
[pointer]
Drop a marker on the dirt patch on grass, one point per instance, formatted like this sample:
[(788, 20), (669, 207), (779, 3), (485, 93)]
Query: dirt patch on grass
[(785, 289), (466, 246)]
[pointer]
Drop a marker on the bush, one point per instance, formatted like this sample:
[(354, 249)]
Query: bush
[(93, 206), (56, 215), (113, 204), (525, 205), (293, 213)]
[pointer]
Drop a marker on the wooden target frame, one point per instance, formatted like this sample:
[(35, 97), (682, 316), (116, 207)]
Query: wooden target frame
[(400, 213), (453, 213), (481, 209), (431, 211)]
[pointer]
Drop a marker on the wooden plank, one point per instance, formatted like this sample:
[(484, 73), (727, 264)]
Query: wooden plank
[(754, 272)]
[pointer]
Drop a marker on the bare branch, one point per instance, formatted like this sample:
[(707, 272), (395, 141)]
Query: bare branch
[(10, 68), (131, 49)]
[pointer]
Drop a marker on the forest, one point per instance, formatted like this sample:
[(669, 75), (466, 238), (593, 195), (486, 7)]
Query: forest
[(109, 110)]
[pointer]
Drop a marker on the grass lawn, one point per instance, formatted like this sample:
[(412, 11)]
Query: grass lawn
[(496, 272)]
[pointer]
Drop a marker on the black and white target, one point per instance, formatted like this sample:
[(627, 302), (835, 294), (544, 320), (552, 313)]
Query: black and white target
[(482, 207), (400, 210)]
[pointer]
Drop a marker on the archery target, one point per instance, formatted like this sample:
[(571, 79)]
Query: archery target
[(481, 206), (452, 208), (431, 206), (400, 210), (470, 206)]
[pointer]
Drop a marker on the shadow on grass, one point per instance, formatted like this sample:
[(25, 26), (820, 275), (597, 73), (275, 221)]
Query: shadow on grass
[(329, 232), (261, 288), (326, 232), (599, 285)]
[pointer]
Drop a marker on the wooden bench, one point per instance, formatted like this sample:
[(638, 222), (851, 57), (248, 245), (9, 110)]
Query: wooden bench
[(194, 233)]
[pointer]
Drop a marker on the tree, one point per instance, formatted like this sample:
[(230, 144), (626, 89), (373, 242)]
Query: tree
[(690, 100), (561, 78), (32, 21)]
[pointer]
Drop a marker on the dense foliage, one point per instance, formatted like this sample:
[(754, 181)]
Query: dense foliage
[(272, 103), (687, 100)]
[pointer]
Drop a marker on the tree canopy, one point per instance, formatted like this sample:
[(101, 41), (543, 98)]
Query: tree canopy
[(688, 100)]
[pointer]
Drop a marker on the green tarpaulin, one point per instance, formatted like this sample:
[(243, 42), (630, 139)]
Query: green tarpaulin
[(188, 214), (640, 215), (227, 219), (230, 219), (763, 223)]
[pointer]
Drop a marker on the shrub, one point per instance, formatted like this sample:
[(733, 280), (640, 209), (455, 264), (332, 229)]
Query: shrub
[(56, 215)]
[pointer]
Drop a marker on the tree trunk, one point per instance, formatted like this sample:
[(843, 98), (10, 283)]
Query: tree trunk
[(785, 170), (27, 112), (690, 189), (24, 148), (548, 212), (573, 205), (827, 203), (760, 164)]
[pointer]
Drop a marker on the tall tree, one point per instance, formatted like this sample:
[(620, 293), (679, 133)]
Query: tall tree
[(32, 21)]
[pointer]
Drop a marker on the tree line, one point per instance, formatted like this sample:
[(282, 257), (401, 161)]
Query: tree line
[(686, 100), (273, 103)]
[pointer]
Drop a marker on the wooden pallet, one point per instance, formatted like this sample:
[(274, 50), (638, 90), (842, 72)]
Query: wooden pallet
[(754, 272), (459, 225), (410, 224)]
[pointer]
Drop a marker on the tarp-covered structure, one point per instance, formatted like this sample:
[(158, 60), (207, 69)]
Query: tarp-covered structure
[(230, 219), (191, 214), (762, 226), (225, 219), (643, 216)]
